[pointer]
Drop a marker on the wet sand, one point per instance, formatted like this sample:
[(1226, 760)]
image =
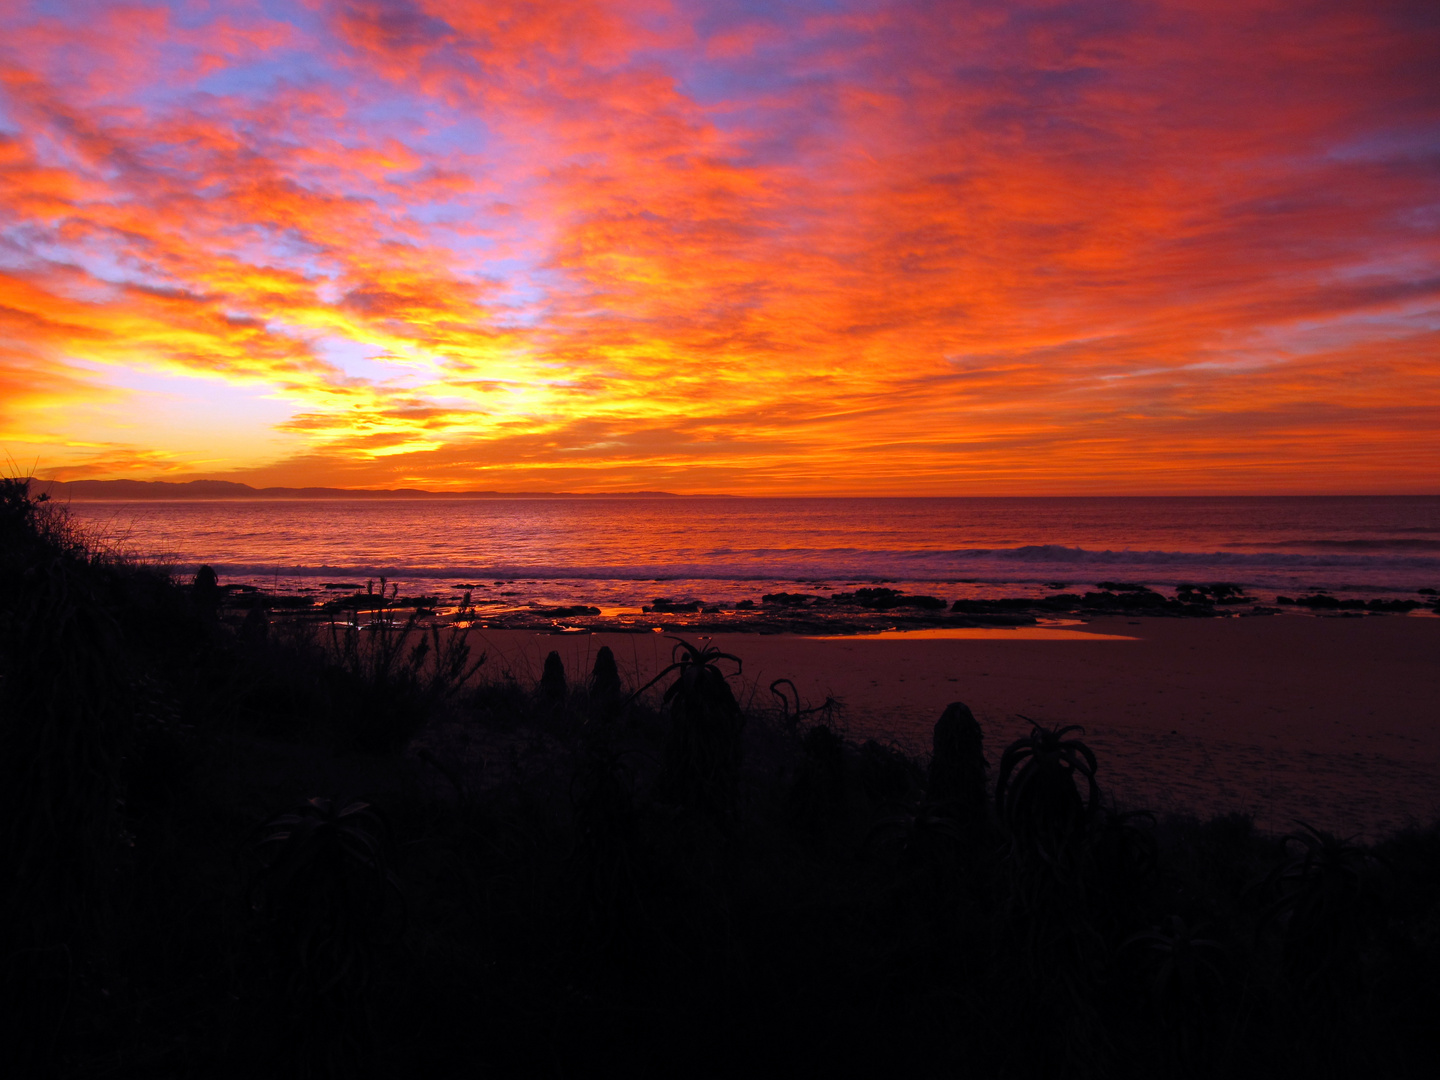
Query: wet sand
[(1335, 721)]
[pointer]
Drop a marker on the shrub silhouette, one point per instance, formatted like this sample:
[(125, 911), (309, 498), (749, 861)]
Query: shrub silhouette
[(390, 675), (817, 796)]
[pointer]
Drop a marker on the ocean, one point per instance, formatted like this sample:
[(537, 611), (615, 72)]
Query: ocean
[(619, 553)]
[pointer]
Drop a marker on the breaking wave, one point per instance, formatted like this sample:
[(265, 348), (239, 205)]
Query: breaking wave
[(1028, 563)]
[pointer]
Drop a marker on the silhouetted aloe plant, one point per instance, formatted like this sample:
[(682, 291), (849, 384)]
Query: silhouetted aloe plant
[(1047, 897), (324, 883), (1181, 967), (914, 832), (1037, 794), (701, 766), (1326, 899), (1184, 976), (325, 901)]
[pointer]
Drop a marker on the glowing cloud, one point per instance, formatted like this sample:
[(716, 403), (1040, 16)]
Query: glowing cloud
[(924, 247)]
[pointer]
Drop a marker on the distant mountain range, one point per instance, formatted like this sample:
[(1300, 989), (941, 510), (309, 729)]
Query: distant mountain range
[(134, 490)]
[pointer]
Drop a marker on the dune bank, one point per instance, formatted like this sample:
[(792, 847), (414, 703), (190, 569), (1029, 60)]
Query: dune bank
[(1330, 720)]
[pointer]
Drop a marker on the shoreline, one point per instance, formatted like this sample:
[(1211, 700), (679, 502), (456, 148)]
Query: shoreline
[(1329, 720)]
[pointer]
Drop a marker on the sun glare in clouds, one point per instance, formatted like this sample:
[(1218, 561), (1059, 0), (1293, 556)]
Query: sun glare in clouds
[(852, 247)]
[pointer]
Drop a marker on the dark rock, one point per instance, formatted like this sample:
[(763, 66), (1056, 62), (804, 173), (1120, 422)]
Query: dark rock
[(664, 605), (788, 599), (1219, 592), (284, 601), (881, 599)]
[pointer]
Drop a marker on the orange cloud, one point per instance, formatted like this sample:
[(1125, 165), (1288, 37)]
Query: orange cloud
[(900, 247)]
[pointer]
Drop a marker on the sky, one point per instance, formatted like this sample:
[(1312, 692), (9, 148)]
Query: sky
[(936, 247)]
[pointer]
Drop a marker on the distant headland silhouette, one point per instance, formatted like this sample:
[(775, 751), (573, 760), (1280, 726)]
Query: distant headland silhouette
[(225, 489)]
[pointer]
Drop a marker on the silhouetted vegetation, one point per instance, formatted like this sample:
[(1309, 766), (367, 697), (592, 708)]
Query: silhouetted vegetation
[(237, 847)]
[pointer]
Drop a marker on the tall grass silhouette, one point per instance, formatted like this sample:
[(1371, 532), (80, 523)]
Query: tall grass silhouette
[(64, 689), (392, 672)]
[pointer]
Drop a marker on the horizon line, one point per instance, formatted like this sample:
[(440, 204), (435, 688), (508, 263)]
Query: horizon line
[(159, 490)]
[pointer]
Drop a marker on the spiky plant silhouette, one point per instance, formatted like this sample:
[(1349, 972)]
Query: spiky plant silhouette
[(1039, 793), (1325, 898), (1184, 972), (792, 712), (701, 765), (914, 832), (325, 902), (1047, 798)]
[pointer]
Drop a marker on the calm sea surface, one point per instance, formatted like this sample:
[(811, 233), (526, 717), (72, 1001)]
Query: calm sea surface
[(621, 552)]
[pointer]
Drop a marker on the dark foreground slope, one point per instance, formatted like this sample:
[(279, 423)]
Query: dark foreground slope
[(238, 849)]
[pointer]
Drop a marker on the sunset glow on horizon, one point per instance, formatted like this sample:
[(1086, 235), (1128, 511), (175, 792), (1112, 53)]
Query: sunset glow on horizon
[(909, 248)]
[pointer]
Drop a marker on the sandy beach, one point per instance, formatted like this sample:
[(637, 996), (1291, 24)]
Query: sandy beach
[(1329, 720)]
